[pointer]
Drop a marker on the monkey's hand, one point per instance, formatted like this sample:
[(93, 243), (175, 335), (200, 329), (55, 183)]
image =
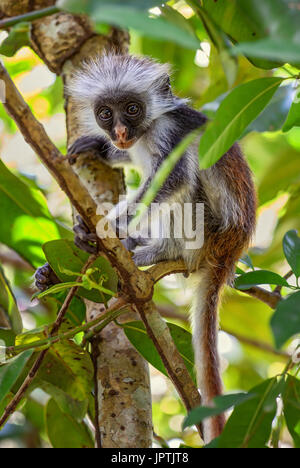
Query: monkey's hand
[(84, 238), (89, 143), (45, 277)]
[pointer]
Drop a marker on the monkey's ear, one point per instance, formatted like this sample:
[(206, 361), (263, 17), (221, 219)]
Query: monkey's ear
[(164, 84)]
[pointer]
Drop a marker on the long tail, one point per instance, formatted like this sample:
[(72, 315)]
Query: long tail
[(205, 339)]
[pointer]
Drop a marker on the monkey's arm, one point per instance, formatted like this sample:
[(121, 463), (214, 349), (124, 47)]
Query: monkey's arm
[(103, 148)]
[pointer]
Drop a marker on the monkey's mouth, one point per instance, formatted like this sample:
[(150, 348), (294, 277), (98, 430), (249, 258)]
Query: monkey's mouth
[(125, 144)]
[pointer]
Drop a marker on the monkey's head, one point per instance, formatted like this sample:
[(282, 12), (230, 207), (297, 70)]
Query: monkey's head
[(121, 96)]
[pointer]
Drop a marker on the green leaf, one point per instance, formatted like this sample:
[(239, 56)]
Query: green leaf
[(170, 25), (67, 375), (271, 49), (291, 248), (232, 18), (250, 424), (137, 335), (275, 113), (254, 278), (291, 408), (221, 42), (293, 118), (77, 310), (27, 223), (7, 337), (221, 404), (285, 322), (8, 305), (64, 256), (10, 372), (88, 6), (246, 260), (257, 23), (18, 37), (64, 431), (235, 113)]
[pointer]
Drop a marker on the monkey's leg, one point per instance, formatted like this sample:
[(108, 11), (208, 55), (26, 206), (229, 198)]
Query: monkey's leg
[(45, 277), (154, 253), (84, 238)]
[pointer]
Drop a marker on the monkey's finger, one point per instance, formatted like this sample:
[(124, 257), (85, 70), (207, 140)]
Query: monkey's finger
[(85, 246), (83, 235), (82, 224), (40, 286)]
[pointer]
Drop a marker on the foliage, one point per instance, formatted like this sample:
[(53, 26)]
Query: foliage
[(240, 60)]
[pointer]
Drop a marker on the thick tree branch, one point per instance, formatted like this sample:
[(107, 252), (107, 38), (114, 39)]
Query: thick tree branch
[(163, 269)]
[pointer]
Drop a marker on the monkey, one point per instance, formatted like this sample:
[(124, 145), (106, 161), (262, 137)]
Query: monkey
[(130, 115)]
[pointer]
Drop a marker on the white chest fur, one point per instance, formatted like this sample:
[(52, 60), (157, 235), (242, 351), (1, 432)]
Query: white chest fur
[(141, 157)]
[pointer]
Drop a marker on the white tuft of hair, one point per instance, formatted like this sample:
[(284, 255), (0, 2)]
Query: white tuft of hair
[(111, 74)]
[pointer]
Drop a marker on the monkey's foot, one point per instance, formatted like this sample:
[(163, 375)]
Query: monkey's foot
[(84, 238), (131, 243), (45, 277)]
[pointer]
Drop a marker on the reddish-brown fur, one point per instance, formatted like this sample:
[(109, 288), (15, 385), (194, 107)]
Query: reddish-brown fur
[(221, 251)]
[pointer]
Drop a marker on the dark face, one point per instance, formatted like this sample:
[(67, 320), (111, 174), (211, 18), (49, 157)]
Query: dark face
[(122, 118)]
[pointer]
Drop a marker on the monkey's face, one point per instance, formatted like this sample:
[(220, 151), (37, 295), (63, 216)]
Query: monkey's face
[(123, 118)]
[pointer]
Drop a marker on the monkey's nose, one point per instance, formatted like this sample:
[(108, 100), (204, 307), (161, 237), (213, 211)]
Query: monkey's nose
[(121, 133)]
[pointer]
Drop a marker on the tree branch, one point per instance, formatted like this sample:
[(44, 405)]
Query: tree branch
[(163, 269)]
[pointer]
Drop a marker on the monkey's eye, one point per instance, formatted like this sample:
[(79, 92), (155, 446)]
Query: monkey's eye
[(105, 113), (133, 109)]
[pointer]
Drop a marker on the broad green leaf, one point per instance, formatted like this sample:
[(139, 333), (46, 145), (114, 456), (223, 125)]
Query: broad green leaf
[(221, 404), (137, 335), (10, 372), (275, 113), (169, 25), (64, 256), (7, 338), (235, 113), (237, 24), (293, 118), (18, 37), (291, 248), (250, 424), (28, 223), (285, 322), (254, 278), (271, 118), (88, 6), (272, 49), (64, 431), (8, 305), (67, 375), (255, 22), (76, 311), (246, 260), (221, 42), (291, 408)]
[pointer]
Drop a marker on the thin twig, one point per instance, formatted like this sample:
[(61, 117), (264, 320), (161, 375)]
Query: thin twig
[(111, 314), (278, 289), (11, 407), (30, 16)]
